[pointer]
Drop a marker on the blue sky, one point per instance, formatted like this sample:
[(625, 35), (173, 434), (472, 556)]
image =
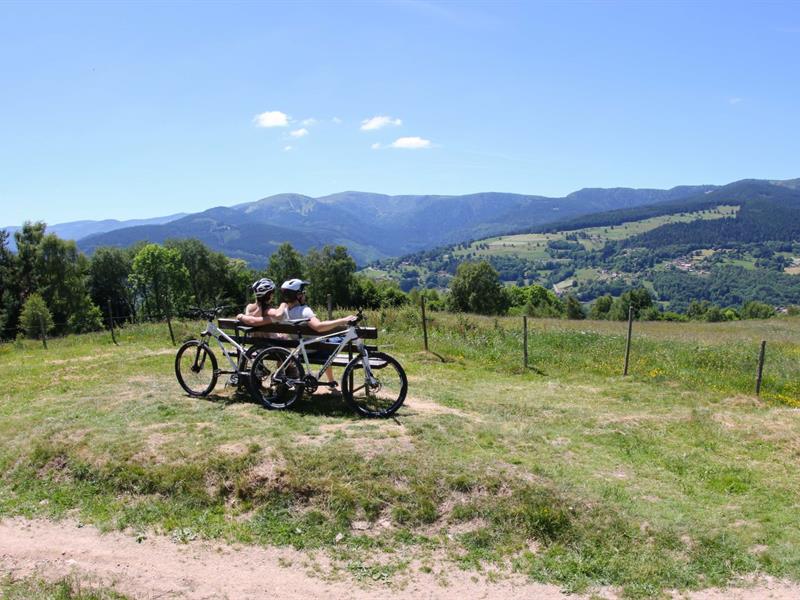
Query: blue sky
[(144, 109)]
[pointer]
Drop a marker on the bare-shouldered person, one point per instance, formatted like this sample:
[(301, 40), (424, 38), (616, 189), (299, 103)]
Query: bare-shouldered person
[(259, 312), (294, 293)]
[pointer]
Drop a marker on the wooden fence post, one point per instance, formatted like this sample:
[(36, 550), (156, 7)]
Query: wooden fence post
[(628, 342), (424, 323), (111, 323), (330, 307), (760, 366), (525, 341), (44, 331), (169, 324)]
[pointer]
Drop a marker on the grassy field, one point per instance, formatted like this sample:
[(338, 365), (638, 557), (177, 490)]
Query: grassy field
[(673, 478)]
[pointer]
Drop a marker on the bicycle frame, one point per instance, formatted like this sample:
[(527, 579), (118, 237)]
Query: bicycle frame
[(349, 336), (213, 331)]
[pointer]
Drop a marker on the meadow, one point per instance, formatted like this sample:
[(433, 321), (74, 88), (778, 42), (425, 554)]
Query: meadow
[(674, 478)]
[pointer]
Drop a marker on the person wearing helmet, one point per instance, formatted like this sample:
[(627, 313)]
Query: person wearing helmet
[(259, 312), (294, 294)]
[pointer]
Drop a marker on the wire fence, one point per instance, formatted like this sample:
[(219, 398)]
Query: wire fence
[(115, 324)]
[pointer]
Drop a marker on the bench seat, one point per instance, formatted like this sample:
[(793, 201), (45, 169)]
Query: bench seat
[(365, 333), (260, 337)]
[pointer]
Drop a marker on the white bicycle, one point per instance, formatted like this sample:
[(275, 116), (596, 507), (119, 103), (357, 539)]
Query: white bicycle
[(374, 384)]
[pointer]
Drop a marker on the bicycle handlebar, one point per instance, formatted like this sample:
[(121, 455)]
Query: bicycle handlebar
[(208, 313)]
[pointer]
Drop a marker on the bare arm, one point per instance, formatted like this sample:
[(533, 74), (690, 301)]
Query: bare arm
[(325, 326), (252, 316), (254, 321), (278, 313)]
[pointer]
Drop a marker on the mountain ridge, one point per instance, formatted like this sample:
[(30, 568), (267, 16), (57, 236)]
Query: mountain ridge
[(376, 226)]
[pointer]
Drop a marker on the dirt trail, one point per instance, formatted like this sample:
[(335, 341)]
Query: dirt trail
[(157, 567)]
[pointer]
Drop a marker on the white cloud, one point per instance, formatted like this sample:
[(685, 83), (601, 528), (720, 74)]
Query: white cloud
[(308, 122), (376, 146), (272, 118), (298, 133), (734, 100), (411, 143), (287, 148), (336, 120), (379, 122)]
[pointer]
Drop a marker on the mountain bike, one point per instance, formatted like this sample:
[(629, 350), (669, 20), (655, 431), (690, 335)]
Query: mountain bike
[(374, 384), (196, 365)]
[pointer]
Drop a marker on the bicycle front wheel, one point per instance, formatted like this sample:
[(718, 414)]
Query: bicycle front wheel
[(196, 368), (274, 381), (379, 395)]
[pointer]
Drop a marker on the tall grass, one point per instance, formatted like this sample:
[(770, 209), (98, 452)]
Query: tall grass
[(696, 355)]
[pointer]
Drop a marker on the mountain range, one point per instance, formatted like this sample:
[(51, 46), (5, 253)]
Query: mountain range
[(76, 230), (375, 226)]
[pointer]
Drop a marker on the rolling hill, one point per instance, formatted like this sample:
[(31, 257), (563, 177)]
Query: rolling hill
[(728, 245), (75, 230), (375, 226)]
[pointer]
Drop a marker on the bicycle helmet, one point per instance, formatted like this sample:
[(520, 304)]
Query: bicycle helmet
[(294, 285), (262, 287)]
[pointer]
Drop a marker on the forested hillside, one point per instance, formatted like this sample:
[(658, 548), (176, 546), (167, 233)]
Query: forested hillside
[(729, 245)]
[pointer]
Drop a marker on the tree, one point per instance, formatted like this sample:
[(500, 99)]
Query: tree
[(29, 239), (368, 293), (714, 314), (601, 307), (204, 272), (574, 309), (757, 310), (213, 277), (109, 274), (285, 263), (330, 271), (85, 317), (9, 291), (639, 299), (161, 280), (543, 303), (476, 288), (62, 275), (34, 315)]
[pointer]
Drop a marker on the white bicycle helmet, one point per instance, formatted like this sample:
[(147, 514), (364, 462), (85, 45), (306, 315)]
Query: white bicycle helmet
[(294, 285), (262, 287)]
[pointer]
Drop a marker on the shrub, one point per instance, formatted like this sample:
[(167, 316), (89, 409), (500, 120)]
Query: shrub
[(34, 315)]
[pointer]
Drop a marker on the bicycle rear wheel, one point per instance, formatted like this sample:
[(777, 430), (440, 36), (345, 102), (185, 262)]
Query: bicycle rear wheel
[(273, 383), (196, 368), (383, 394)]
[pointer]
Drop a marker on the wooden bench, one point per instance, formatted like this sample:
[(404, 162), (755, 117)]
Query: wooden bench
[(261, 337)]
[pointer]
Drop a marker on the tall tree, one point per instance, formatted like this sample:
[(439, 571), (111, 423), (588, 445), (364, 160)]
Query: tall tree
[(109, 271), (330, 271), (285, 263), (29, 238), (476, 288), (9, 293), (161, 280)]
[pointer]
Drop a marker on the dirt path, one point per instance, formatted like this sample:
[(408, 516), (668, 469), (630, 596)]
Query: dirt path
[(157, 567)]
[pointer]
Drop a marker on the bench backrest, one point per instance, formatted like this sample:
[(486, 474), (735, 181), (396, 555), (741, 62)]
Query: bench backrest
[(366, 333)]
